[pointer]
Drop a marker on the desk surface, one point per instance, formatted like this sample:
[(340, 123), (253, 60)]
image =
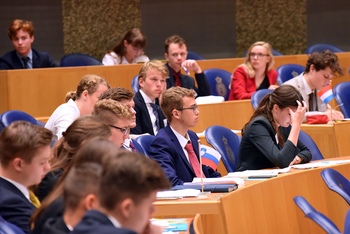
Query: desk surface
[(265, 206)]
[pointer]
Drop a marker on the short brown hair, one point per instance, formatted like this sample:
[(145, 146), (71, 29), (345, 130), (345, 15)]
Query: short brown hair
[(22, 139), (176, 39), (323, 60), (89, 83), (153, 65), (117, 94), (172, 99), (129, 175), (17, 25), (107, 110)]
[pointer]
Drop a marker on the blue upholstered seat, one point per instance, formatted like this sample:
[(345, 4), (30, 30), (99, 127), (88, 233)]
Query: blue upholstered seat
[(288, 71), (219, 81), (77, 59)]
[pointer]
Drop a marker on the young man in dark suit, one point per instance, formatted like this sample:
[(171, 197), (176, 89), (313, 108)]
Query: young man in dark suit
[(21, 34), (152, 82), (175, 147), (24, 155), (128, 187), (176, 54)]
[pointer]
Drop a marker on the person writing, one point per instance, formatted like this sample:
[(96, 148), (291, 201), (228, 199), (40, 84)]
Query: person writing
[(270, 138), (129, 50), (255, 73)]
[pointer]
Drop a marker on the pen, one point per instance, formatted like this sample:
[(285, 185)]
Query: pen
[(186, 70)]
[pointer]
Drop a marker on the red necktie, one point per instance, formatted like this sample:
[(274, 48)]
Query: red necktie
[(193, 160)]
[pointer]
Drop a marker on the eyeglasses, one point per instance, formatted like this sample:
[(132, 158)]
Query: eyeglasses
[(259, 55), (123, 130), (194, 108)]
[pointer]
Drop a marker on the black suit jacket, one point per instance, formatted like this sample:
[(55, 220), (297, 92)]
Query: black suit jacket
[(55, 226), (188, 82), (96, 222), (260, 150), (167, 151), (15, 208), (40, 60), (143, 120)]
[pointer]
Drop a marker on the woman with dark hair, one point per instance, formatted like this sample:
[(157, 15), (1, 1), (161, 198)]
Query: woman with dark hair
[(255, 73), (270, 138), (129, 50)]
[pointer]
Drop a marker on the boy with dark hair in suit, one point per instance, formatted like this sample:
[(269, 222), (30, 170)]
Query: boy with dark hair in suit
[(152, 82), (175, 147), (80, 194), (128, 187), (21, 34), (24, 155)]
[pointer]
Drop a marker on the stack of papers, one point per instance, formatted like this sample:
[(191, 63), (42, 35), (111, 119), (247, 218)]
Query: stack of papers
[(320, 164), (222, 180), (175, 194), (171, 225), (257, 173)]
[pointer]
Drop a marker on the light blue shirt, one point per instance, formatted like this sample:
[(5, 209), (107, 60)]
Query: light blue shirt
[(30, 61)]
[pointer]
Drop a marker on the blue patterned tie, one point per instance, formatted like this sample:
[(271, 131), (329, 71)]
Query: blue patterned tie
[(155, 108)]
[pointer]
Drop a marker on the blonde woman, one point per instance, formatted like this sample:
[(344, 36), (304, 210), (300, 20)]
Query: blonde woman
[(255, 73), (78, 103)]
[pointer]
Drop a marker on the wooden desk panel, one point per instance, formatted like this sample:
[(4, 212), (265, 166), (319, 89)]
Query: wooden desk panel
[(342, 136), (265, 206)]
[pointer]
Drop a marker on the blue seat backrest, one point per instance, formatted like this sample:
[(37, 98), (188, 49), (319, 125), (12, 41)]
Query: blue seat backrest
[(138, 147), (195, 56), (226, 143), (219, 81), (135, 84), (342, 96), (337, 183), (307, 140), (8, 117), (322, 47), (258, 96), (145, 142), (319, 218), (77, 59), (288, 71)]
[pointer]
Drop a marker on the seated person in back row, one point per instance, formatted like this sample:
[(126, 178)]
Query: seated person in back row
[(24, 155), (176, 54), (149, 117), (319, 70), (128, 187), (21, 34), (175, 147)]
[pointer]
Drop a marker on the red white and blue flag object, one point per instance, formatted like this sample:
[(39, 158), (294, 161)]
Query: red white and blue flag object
[(210, 157), (326, 94)]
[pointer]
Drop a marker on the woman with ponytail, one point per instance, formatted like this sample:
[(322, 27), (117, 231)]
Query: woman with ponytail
[(270, 138), (78, 103)]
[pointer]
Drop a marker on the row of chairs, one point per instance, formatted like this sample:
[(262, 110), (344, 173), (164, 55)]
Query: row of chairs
[(337, 183)]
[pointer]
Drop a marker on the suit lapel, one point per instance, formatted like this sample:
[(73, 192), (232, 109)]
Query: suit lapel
[(17, 64), (170, 82), (35, 59), (178, 147), (146, 121), (6, 184)]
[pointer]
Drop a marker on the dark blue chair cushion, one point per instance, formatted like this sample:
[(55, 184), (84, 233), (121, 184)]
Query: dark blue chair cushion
[(337, 183), (14, 115), (307, 140), (219, 81), (135, 84), (195, 56), (138, 147), (145, 141), (258, 96), (226, 143), (322, 47), (342, 96), (76, 60), (288, 71)]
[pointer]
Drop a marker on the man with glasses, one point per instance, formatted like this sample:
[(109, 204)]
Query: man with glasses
[(116, 116), (152, 82), (176, 54), (175, 147)]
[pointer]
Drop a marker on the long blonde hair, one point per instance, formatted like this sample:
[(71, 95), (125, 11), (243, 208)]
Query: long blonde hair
[(248, 66)]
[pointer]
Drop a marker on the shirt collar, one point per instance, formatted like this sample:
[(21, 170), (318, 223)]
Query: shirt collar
[(182, 140), (114, 221), (30, 55), (21, 187), (306, 86), (145, 97)]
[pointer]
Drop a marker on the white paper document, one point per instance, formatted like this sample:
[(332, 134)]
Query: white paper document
[(178, 193)]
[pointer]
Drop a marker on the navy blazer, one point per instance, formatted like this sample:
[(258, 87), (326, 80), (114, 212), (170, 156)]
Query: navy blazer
[(188, 82), (96, 222), (15, 208), (167, 151), (40, 60), (143, 119)]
